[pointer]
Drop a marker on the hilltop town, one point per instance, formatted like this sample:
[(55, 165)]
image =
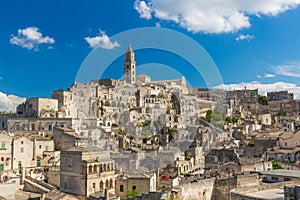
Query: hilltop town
[(142, 139)]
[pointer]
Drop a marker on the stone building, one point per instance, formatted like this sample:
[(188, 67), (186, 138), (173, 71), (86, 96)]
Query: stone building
[(24, 150), (288, 148), (201, 93), (242, 100), (65, 138), (143, 79), (39, 124), (129, 67), (143, 182), (38, 107), (28, 151), (5, 152), (279, 96), (86, 170), (66, 107)]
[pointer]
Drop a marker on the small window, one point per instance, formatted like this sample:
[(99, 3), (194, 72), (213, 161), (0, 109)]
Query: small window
[(32, 127), (1, 167), (3, 145), (22, 142), (121, 188), (18, 127), (22, 149), (62, 125), (133, 187), (49, 127), (46, 148), (38, 163)]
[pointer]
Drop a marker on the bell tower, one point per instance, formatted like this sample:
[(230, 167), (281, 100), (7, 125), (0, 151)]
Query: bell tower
[(129, 66)]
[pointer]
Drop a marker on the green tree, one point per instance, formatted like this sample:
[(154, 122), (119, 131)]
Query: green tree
[(280, 114), (132, 193), (262, 100), (276, 165)]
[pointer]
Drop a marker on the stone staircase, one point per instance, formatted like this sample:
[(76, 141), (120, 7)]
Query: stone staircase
[(33, 185)]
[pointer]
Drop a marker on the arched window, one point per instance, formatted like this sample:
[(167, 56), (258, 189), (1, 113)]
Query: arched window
[(111, 183), (101, 185), (101, 168), (95, 169), (104, 167), (90, 169), (106, 184)]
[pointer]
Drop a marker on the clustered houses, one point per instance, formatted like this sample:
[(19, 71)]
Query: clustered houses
[(110, 139), (86, 170), (24, 149)]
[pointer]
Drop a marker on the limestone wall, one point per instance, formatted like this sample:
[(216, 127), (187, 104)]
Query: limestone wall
[(202, 189), (243, 193)]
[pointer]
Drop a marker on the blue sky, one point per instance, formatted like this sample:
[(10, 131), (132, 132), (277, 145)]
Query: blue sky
[(42, 45)]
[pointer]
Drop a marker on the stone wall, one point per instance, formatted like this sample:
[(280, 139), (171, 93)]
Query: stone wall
[(53, 178), (291, 192), (222, 187), (243, 193), (8, 190), (202, 189)]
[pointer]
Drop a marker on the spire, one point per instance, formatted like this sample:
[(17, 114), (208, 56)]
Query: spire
[(129, 48)]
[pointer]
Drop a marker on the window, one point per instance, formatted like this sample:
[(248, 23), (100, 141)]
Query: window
[(121, 188), (40, 146), (287, 179), (133, 187), (1, 167), (3, 145), (50, 127), (62, 125), (38, 163), (18, 127), (274, 178), (19, 165), (32, 127), (69, 162), (46, 148), (22, 142), (22, 149), (2, 159)]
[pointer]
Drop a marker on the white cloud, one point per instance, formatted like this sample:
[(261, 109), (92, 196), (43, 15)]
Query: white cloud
[(263, 88), (244, 37), (102, 41), (1, 78), (143, 9), (266, 75), (212, 16), (269, 75), (30, 38), (291, 69), (9, 102)]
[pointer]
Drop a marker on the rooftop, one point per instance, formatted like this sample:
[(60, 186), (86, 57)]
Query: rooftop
[(282, 172)]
